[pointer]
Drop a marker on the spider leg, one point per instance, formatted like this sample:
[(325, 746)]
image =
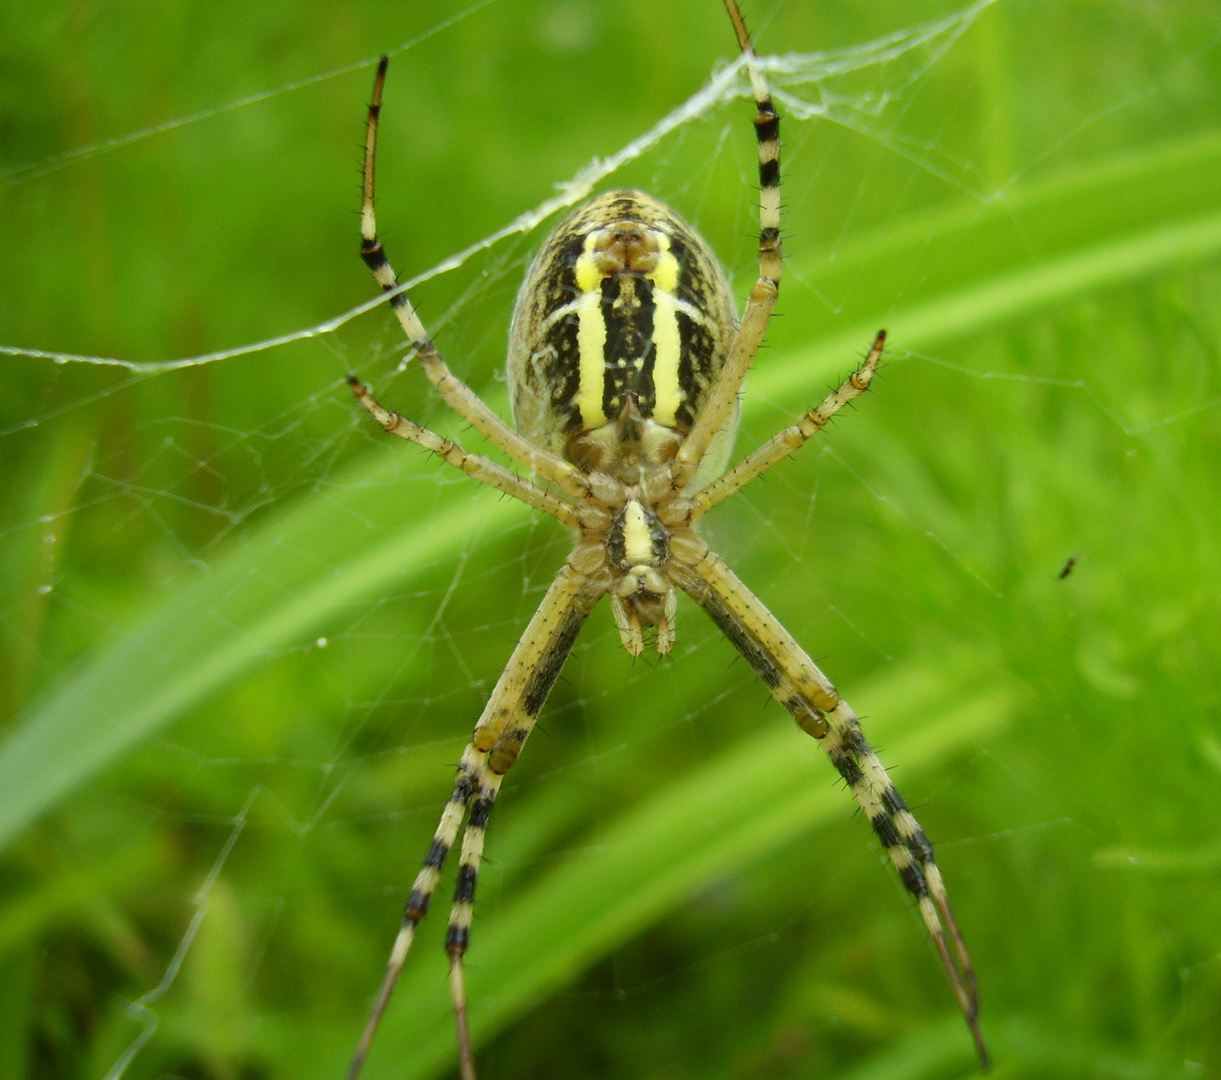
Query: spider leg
[(422, 890), (791, 439), (474, 465), (502, 732), (718, 408), (458, 934), (456, 394), (798, 684), (502, 729)]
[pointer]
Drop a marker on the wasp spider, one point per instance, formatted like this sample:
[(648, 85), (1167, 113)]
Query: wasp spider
[(625, 363)]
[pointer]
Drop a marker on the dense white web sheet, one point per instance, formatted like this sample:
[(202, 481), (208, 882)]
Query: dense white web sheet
[(402, 663)]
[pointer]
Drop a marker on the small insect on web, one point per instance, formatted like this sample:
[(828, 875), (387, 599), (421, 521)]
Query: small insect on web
[(625, 363)]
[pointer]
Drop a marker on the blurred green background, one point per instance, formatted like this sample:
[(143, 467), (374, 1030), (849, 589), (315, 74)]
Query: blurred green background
[(243, 636)]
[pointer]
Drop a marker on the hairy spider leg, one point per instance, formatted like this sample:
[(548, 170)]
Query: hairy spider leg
[(499, 735), (762, 300), (799, 685)]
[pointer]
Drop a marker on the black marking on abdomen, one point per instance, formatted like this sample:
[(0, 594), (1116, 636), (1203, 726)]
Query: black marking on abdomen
[(628, 355), (697, 358), (560, 372)]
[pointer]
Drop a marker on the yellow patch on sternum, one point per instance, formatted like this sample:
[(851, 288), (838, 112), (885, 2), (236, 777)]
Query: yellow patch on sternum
[(637, 535)]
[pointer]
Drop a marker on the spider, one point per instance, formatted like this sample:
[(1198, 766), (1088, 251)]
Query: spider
[(625, 363)]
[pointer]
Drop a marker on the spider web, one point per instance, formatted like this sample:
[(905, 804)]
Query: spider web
[(249, 637)]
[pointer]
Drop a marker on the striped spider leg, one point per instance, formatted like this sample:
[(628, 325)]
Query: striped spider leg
[(535, 663), (799, 685), (625, 365)]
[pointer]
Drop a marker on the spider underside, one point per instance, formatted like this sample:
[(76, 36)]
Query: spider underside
[(625, 364)]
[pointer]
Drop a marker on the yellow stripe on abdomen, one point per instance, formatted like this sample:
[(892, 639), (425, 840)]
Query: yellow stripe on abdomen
[(667, 343), (591, 337)]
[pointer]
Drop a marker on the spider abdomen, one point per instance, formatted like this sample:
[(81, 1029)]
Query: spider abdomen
[(621, 326)]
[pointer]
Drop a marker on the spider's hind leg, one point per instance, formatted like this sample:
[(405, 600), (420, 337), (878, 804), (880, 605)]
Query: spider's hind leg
[(752, 328), (503, 727), (457, 937), (909, 851), (812, 700), (470, 768)]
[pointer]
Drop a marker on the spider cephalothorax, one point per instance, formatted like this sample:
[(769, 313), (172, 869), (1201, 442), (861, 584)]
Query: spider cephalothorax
[(625, 364)]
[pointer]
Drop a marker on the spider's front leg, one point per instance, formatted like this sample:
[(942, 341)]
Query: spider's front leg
[(718, 409), (455, 393), (474, 465), (506, 722), (787, 442), (798, 684)]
